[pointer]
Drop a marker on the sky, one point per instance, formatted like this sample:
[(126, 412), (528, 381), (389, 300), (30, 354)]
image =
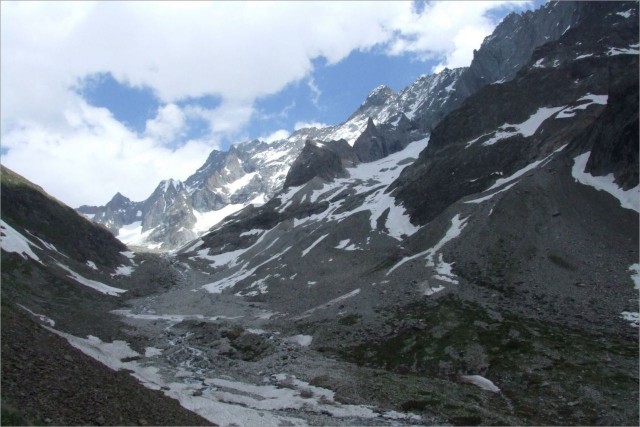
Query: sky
[(105, 97)]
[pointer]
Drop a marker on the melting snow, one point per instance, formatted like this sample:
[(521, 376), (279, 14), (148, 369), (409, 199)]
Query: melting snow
[(635, 275), (238, 276), (226, 402), (613, 51), (373, 178), (41, 317), (152, 351), (206, 220), (132, 233), (526, 128), (194, 246), (240, 183), (12, 241), (481, 382), (329, 304), (587, 55), (524, 170), (632, 317), (123, 270), (301, 340), (313, 245), (252, 232), (93, 284), (457, 225), (490, 196), (626, 13), (174, 318), (629, 199), (590, 98), (128, 254), (92, 265)]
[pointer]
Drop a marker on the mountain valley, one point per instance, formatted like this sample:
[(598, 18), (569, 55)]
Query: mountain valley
[(464, 252)]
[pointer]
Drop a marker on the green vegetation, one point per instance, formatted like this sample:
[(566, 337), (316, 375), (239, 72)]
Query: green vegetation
[(547, 374)]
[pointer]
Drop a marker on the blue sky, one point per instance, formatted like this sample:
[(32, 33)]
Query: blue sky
[(329, 95), (101, 97)]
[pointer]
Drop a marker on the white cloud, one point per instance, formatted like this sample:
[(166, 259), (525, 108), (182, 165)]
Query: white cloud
[(315, 91), (167, 125), (448, 31), (237, 52), (275, 136), (302, 125), (97, 157)]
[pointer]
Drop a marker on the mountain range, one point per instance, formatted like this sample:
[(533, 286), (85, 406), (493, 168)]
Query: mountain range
[(250, 173), (463, 252)]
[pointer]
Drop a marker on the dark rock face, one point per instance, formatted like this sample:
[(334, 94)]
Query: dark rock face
[(323, 160), (614, 138), (371, 144), (500, 57), (27, 205), (457, 163)]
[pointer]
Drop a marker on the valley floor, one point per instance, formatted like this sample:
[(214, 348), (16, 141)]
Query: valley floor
[(235, 362)]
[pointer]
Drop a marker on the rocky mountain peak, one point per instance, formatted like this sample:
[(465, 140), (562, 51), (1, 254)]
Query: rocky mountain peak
[(119, 199), (379, 96)]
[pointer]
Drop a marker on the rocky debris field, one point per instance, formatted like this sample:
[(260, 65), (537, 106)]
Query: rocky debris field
[(45, 381)]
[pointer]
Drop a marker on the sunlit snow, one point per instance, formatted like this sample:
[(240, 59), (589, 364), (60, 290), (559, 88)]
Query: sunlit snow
[(206, 220), (526, 128)]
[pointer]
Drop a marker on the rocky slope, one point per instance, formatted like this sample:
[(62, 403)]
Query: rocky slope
[(62, 272)]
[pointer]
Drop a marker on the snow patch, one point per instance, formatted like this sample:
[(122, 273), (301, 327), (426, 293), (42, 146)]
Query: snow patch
[(152, 351), (92, 265), (41, 317), (481, 382), (301, 340), (635, 275), (227, 402), (93, 284), (329, 304), (629, 199), (13, 241), (123, 270), (517, 174), (194, 246), (253, 232), (590, 98), (128, 254), (313, 245), (457, 225), (173, 318), (613, 51), (526, 128), (633, 317), (625, 14), (490, 196), (206, 220)]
